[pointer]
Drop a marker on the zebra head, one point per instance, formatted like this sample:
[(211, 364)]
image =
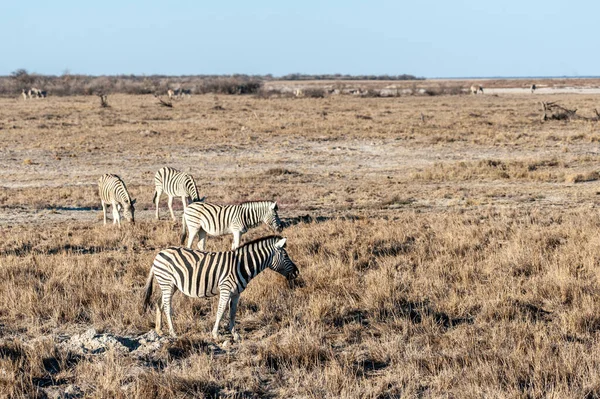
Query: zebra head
[(281, 262), (128, 211), (271, 218)]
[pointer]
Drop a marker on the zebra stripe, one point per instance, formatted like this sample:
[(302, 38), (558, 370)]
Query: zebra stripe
[(175, 184), (206, 274), (202, 219), (113, 192)]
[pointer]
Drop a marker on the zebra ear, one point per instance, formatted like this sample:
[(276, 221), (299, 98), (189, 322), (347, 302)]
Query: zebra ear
[(281, 243)]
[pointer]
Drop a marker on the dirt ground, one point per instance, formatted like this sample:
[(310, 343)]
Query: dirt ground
[(446, 243)]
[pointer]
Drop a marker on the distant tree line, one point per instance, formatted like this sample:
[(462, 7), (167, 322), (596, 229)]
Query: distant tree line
[(337, 76), (73, 84)]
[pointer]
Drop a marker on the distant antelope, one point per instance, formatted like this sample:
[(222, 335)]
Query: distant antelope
[(532, 88), (299, 93), (476, 89)]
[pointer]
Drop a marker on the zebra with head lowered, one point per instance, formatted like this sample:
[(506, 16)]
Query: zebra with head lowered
[(476, 89), (113, 192), (204, 274), (202, 219), (175, 184)]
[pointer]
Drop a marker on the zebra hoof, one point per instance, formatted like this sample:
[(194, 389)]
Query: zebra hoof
[(236, 337)]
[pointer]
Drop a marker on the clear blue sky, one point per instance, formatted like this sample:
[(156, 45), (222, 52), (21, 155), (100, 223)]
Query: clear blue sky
[(420, 37)]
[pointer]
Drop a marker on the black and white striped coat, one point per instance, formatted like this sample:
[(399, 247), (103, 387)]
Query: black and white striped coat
[(202, 219), (175, 184), (206, 274), (113, 192)]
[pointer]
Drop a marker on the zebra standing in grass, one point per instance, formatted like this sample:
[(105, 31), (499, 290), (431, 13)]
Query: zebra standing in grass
[(204, 274), (113, 192), (476, 89), (532, 88), (201, 219), (175, 184)]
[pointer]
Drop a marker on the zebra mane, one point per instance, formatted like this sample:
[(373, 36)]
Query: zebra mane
[(273, 237)]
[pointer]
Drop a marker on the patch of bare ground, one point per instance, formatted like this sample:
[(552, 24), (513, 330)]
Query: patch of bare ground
[(447, 246)]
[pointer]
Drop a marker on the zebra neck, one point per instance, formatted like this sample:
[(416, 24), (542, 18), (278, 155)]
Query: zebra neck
[(192, 190), (253, 260), (253, 214)]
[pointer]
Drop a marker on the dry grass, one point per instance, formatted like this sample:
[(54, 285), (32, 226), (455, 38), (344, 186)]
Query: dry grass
[(451, 255)]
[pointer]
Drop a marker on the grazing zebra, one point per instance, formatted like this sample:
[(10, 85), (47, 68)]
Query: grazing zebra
[(37, 93), (204, 274), (476, 89), (201, 219), (532, 88), (113, 192), (175, 184)]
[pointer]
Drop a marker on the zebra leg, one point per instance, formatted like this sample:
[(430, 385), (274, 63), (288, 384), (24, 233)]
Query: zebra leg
[(116, 216), (237, 235), (232, 310), (171, 207), (201, 239), (167, 294), (184, 202), (157, 199), (223, 302), (104, 212), (158, 324)]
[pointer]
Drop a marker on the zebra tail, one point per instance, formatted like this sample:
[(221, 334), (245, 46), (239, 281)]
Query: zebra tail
[(148, 290), (183, 229)]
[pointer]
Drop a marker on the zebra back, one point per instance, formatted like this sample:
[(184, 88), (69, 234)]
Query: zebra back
[(112, 187), (221, 219)]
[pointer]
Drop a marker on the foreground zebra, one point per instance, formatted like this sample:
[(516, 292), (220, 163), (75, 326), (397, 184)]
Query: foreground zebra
[(113, 192), (204, 274), (175, 184), (201, 219)]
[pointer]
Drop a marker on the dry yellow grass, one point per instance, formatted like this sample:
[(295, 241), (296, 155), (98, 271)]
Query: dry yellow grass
[(452, 255)]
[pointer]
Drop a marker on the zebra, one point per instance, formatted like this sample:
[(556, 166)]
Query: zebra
[(170, 93), (37, 93), (113, 192), (24, 94), (532, 88), (202, 219), (175, 184), (204, 274), (476, 89)]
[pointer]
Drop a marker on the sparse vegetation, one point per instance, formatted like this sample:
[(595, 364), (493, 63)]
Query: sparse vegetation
[(446, 255)]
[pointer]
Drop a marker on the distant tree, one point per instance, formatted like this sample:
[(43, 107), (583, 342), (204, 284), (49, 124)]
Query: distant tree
[(22, 77)]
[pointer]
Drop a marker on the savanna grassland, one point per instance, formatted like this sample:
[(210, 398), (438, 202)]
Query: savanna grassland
[(448, 246)]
